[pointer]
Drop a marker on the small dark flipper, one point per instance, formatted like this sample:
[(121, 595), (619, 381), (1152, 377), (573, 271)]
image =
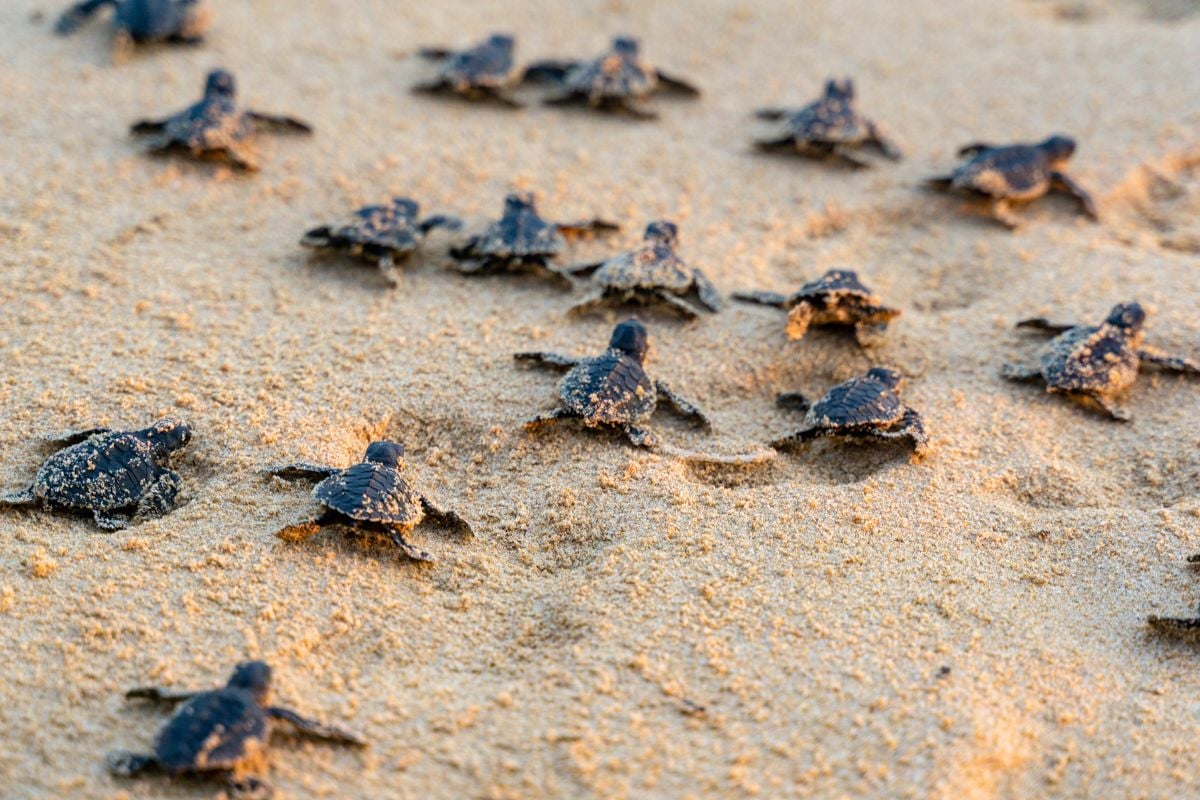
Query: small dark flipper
[(771, 114), (784, 144), (147, 126), (682, 406), (798, 438), (502, 98), (22, 498), (683, 307), (547, 71), (1115, 412), (708, 293), (314, 472), (883, 144), (581, 269), (1175, 627), (68, 438), (549, 359), (160, 498), (678, 85), (587, 226), (1043, 324), (156, 694), (774, 299), (125, 764), (318, 237), (76, 15), (870, 334), (559, 413), (940, 183), (111, 520), (314, 729), (793, 401), (280, 123), (435, 53), (1018, 372), (973, 149), (1155, 356), (431, 87), (911, 427), (1065, 183), (440, 221), (450, 519), (844, 159), (410, 550), (640, 437)]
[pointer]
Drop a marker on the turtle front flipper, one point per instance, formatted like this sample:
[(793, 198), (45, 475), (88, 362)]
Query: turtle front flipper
[(74, 17), (1177, 627), (773, 299), (678, 85), (559, 413), (793, 401), (672, 301), (682, 406), (156, 694), (279, 123), (640, 437), (556, 360), (1043, 324), (582, 269), (707, 293), (771, 114), (314, 729), (159, 499), (973, 149), (22, 498), (886, 147), (450, 519), (870, 334), (799, 318), (1114, 410), (1021, 372), (125, 764), (410, 550), (1155, 356), (446, 221), (798, 438), (68, 438), (302, 470), (587, 226), (547, 71), (148, 126), (1065, 183), (911, 427), (435, 53)]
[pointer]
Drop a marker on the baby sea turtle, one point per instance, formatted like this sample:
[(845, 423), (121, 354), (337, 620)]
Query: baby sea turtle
[(383, 234), (612, 390), (112, 475), (1096, 364), (868, 407), (827, 128), (215, 127), (652, 273), (836, 298), (483, 72), (1020, 173), (610, 82), (370, 496), (222, 733), (143, 21), (521, 240)]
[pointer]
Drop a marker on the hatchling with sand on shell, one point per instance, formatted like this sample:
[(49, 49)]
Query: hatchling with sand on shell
[(143, 21), (215, 127), (383, 234), (485, 71), (836, 298), (113, 476), (222, 734), (372, 496), (1004, 176), (1096, 364), (828, 128)]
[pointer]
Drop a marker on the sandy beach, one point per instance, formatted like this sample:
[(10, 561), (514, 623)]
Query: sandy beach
[(844, 622)]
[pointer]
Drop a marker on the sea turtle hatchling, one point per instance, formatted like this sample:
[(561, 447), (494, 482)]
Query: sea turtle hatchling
[(836, 298), (1096, 364), (371, 496), (222, 734), (111, 475), (652, 273), (485, 71), (867, 407), (826, 128), (612, 82), (214, 127), (1020, 173), (383, 234), (522, 241), (143, 21)]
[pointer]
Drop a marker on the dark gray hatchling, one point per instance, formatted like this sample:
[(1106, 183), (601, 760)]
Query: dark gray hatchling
[(223, 734), (836, 298), (143, 21), (612, 390), (215, 127), (383, 234), (1016, 174), (522, 241), (612, 82), (111, 475), (828, 128), (483, 72), (370, 496), (1187, 628), (1096, 364), (653, 273), (868, 407)]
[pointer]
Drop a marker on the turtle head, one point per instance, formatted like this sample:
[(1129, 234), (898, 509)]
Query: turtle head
[(1058, 147), (630, 338), (1129, 317), (389, 454), (839, 90), (502, 41), (888, 377), (220, 83), (662, 232), (253, 677), (518, 202), (626, 46), (168, 435)]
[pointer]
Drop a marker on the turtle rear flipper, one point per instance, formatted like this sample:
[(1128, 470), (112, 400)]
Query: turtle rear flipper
[(556, 360), (314, 729), (160, 498), (440, 221), (75, 16), (547, 71), (450, 519), (1154, 356), (707, 293), (773, 299), (410, 550), (1065, 183), (886, 147), (1043, 324), (302, 470), (800, 437), (279, 122), (678, 85), (683, 407), (673, 301)]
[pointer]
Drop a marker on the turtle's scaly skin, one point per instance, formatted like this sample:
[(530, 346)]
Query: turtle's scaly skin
[(144, 21), (214, 127), (836, 298), (484, 71), (1018, 173), (867, 407), (112, 475), (827, 128)]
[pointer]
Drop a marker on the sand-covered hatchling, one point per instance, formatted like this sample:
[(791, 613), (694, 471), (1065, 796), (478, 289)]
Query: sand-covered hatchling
[(143, 21), (383, 234), (222, 734), (111, 475), (836, 298), (613, 82), (371, 496), (1096, 364), (215, 127), (485, 71), (522, 241), (867, 407), (828, 128), (1004, 176), (652, 273)]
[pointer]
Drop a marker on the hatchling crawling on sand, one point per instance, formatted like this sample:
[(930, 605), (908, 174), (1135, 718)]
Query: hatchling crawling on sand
[(522, 241), (653, 273), (612, 82), (383, 234), (215, 127), (111, 475), (222, 734), (827, 128), (370, 496), (1096, 364), (483, 72), (143, 21), (1012, 174), (836, 298), (867, 407)]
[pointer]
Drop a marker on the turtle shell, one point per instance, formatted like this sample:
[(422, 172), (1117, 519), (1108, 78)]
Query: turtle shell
[(215, 730), (830, 120), (211, 124), (371, 492), (842, 282), (521, 234), (486, 65), (652, 266), (610, 389), (1089, 359), (1016, 172), (394, 226), (103, 473), (154, 20), (859, 402), (613, 76)]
